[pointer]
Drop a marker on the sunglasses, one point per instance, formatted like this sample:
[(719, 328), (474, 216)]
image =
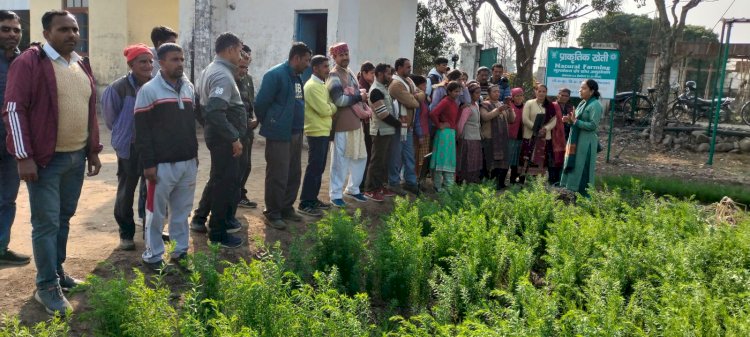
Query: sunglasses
[(6, 29)]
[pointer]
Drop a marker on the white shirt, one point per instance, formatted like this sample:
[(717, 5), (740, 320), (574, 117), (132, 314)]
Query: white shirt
[(56, 57)]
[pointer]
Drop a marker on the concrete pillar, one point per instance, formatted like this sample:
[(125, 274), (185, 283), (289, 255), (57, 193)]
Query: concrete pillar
[(202, 42), (469, 58)]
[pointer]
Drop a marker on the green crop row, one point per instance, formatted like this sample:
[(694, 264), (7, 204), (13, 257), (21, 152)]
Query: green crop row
[(470, 263)]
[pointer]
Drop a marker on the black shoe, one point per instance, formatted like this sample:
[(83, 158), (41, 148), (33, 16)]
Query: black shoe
[(67, 282), (126, 244), (228, 241), (414, 189), (198, 227), (310, 210), (10, 258), (245, 203), (275, 222), (181, 261), (160, 267), (322, 205), (233, 226), (291, 215)]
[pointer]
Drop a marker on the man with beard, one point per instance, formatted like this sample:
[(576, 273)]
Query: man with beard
[(53, 132), (118, 104), (349, 157), (483, 77), (166, 141), (10, 35)]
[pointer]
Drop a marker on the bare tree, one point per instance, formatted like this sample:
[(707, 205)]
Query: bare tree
[(669, 32), (458, 16)]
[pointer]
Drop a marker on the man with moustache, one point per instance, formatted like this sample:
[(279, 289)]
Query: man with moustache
[(10, 35), (53, 133), (118, 104), (168, 147)]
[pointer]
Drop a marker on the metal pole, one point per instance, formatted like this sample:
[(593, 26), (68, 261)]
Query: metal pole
[(724, 57), (695, 99), (716, 80), (611, 124)]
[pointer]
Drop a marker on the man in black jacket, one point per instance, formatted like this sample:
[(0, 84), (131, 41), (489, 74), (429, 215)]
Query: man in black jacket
[(226, 123)]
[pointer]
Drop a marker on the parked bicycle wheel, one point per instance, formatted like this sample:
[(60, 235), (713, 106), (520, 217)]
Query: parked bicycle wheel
[(678, 112), (641, 115), (745, 113)]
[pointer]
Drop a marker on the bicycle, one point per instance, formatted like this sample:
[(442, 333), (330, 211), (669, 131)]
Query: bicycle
[(745, 113), (637, 108)]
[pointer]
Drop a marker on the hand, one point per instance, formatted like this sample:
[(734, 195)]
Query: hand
[(94, 165), (364, 97), (566, 119), (572, 119), (27, 170), (236, 148), (150, 174), (252, 124)]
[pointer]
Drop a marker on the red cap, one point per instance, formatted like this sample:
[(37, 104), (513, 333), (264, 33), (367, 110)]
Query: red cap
[(339, 48), (133, 51)]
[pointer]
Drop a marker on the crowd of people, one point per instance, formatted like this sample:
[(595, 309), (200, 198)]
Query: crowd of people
[(389, 132)]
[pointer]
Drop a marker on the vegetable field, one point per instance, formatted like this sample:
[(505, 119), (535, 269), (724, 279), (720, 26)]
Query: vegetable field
[(470, 263)]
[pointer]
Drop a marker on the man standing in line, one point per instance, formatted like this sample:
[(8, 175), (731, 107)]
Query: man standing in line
[(161, 35), (406, 97), (280, 108), (53, 131), (349, 157), (483, 77), (226, 126), (319, 109), (498, 78), (436, 75), (382, 128), (118, 104), (10, 36), (247, 92), (168, 147)]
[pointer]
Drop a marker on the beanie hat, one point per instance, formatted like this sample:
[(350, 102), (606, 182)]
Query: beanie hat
[(133, 51)]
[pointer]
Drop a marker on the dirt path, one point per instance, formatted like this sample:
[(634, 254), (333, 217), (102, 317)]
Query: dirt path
[(94, 234)]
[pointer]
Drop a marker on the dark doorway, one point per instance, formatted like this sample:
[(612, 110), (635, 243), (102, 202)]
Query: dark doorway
[(312, 29)]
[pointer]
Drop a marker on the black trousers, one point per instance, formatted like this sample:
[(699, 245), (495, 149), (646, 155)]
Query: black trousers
[(222, 190), (377, 171), (128, 174), (246, 164), (317, 155), (368, 148)]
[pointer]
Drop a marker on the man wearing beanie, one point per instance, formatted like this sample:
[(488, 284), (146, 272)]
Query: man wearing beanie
[(118, 104)]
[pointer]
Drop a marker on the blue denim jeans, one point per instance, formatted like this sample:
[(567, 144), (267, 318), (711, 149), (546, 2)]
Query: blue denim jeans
[(9, 183), (53, 200), (401, 160)]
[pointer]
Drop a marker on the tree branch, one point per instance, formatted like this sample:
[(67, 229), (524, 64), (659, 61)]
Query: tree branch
[(460, 25), (506, 21)]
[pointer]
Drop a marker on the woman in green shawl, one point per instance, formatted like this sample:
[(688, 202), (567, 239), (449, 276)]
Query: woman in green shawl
[(580, 152)]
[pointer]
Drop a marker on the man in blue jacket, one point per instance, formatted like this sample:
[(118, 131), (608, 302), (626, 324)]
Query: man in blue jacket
[(280, 108)]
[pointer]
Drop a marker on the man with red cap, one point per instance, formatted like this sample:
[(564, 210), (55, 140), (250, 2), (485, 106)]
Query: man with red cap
[(118, 104), (349, 157)]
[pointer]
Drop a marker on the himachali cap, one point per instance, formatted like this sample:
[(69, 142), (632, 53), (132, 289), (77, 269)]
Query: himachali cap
[(516, 91), (133, 51), (339, 48)]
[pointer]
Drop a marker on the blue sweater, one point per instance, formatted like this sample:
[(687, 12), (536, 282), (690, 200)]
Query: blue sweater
[(280, 105), (118, 104)]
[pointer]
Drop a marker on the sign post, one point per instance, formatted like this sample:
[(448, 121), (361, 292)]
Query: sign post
[(568, 67)]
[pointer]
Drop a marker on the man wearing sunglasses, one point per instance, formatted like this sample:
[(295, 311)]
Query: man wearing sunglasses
[(10, 36)]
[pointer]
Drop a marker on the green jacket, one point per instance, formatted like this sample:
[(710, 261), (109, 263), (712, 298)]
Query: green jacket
[(582, 175)]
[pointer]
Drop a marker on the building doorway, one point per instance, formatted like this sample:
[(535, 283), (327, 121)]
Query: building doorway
[(312, 29)]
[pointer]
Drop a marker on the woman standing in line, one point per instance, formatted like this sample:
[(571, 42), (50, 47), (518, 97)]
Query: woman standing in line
[(445, 117), (496, 119), (470, 138), (515, 133), (580, 154), (533, 150)]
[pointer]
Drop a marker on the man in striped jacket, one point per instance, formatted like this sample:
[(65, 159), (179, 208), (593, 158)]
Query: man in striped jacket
[(166, 141)]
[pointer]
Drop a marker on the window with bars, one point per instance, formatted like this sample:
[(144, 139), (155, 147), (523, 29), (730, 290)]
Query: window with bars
[(80, 9)]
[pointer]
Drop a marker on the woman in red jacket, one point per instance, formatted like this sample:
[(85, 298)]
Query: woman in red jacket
[(445, 117)]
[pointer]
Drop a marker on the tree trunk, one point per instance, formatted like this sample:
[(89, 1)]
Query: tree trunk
[(666, 59), (524, 68)]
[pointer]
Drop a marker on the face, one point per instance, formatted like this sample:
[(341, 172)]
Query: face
[(233, 54), (497, 72), (422, 87), (172, 66), (585, 91), (10, 34), (242, 67), (63, 34), (142, 65), (518, 99), (453, 94), (541, 92), (388, 76), (369, 76), (342, 59), (300, 63), (322, 70), (483, 77), (463, 78), (442, 68), (494, 94), (563, 97), (476, 95), (405, 70)]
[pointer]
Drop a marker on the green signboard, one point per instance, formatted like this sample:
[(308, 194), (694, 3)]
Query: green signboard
[(568, 67), (488, 57)]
